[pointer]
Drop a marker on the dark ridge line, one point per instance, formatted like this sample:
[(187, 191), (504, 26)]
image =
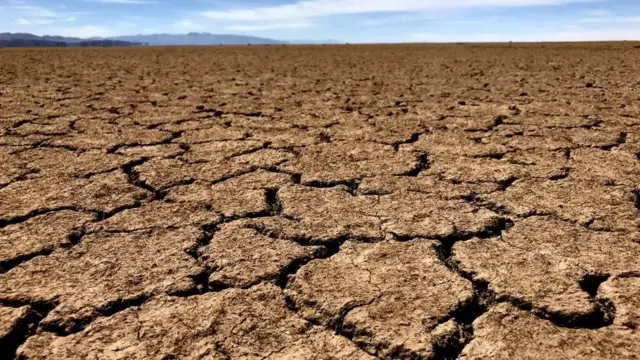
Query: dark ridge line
[(492, 230), (249, 215), (622, 139), (111, 308), (41, 133), (601, 315), (291, 269), (591, 282), (293, 309), (22, 331), (351, 185), (497, 121), (628, 275), (464, 314), (274, 206), (265, 145), (143, 230), (218, 113), (156, 125), (275, 169), (174, 135), (294, 150), (383, 192), (101, 215), (34, 213), (95, 173), (72, 125), (515, 110), (483, 299), (474, 199), (201, 283), (202, 109), (636, 198), (332, 245), (450, 347), (565, 174), (422, 163), (348, 332), (505, 184), (44, 144), (22, 122), (134, 178), (21, 177), (183, 182), (235, 174), (495, 156), (74, 238), (272, 167), (9, 264), (331, 124), (218, 347), (201, 280), (413, 139), (595, 124), (589, 223)]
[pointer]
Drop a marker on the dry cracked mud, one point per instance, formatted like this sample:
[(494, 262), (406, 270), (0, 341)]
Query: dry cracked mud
[(335, 202)]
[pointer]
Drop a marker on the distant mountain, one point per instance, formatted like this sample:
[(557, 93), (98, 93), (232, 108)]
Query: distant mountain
[(197, 39), (30, 40)]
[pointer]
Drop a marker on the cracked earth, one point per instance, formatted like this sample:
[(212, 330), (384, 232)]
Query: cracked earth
[(330, 202)]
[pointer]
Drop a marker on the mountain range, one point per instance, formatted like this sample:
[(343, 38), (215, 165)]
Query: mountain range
[(27, 40), (196, 39), (30, 40)]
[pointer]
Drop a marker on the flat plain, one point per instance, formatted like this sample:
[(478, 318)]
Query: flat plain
[(327, 202)]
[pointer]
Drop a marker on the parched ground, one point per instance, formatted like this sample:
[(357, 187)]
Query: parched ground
[(329, 202)]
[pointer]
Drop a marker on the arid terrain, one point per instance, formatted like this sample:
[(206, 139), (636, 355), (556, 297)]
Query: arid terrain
[(328, 202)]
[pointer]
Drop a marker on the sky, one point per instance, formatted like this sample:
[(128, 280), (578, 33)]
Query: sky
[(354, 21)]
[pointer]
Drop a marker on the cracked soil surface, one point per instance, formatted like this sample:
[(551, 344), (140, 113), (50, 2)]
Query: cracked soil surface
[(328, 202)]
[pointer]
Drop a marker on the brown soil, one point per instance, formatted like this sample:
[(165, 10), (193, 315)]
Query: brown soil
[(329, 202)]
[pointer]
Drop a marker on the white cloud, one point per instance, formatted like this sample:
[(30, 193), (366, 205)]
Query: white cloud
[(88, 31), (83, 31), (28, 22), (598, 12), (37, 11), (314, 8), (609, 20), (187, 25), (126, 2), (270, 26), (570, 34), (19, 16)]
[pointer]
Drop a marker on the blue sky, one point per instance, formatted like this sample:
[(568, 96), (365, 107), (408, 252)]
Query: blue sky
[(343, 20)]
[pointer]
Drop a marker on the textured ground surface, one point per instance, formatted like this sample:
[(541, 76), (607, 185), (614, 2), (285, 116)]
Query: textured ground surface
[(354, 202)]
